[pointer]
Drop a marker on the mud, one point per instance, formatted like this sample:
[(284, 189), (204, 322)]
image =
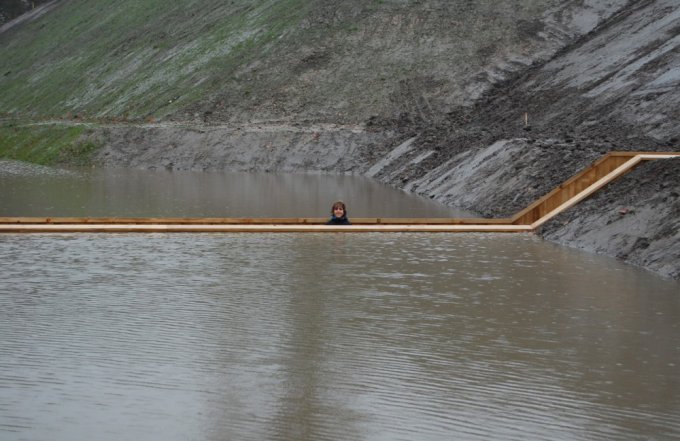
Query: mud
[(258, 147), (593, 77), (636, 219), (613, 89)]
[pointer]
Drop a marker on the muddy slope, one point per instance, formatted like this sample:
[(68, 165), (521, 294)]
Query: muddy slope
[(613, 89), (636, 218), (417, 94), (325, 148)]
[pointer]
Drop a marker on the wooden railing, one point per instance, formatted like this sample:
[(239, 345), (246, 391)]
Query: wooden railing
[(603, 171), (600, 173)]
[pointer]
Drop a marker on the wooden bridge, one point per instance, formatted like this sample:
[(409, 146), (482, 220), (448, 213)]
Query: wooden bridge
[(574, 190)]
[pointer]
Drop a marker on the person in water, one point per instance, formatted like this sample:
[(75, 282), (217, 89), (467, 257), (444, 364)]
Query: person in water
[(338, 214)]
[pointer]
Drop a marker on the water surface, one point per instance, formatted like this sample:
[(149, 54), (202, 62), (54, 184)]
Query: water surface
[(40, 191), (316, 336), (331, 336)]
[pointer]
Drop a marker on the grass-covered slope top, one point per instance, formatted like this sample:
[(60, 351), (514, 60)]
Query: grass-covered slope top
[(219, 60), (130, 57), (45, 144)]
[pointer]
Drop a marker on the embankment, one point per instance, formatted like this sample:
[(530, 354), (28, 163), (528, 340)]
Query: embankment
[(636, 219), (485, 105), (323, 148)]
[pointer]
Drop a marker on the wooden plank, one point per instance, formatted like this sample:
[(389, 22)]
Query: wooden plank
[(428, 221), (561, 193), (151, 220), (533, 211), (242, 221), (652, 156), (583, 184), (256, 228), (618, 164), (590, 190), (580, 182)]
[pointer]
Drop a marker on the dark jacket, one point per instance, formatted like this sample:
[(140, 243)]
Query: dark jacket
[(338, 221)]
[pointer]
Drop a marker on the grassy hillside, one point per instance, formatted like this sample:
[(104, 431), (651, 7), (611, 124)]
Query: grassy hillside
[(45, 144), (133, 58), (263, 59)]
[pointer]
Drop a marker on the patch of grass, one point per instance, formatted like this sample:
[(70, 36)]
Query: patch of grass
[(77, 153), (48, 144), (111, 58)]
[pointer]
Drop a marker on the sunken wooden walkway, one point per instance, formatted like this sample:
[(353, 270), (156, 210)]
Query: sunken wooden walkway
[(572, 191)]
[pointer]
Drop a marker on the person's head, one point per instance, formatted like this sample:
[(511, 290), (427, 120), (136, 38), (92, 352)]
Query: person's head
[(338, 209)]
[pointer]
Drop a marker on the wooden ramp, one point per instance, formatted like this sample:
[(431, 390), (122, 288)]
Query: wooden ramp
[(572, 191), (603, 171)]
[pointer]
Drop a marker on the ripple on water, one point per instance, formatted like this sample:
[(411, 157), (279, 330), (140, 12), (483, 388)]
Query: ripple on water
[(370, 336)]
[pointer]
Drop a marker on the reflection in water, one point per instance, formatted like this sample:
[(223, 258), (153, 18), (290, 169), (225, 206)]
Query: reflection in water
[(336, 336), (141, 193)]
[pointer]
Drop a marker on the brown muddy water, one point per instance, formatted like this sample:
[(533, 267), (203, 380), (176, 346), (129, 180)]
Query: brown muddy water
[(331, 337), (40, 191)]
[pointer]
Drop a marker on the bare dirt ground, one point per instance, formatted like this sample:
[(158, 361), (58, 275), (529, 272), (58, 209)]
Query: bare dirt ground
[(613, 89), (636, 219), (595, 79), (261, 146)]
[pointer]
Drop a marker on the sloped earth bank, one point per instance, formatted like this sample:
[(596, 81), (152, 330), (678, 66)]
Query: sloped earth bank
[(636, 219), (615, 88), (254, 147)]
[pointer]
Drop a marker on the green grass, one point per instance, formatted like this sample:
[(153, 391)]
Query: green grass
[(104, 58), (46, 144), (244, 59)]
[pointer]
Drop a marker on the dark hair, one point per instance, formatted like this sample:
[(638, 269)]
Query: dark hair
[(339, 204)]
